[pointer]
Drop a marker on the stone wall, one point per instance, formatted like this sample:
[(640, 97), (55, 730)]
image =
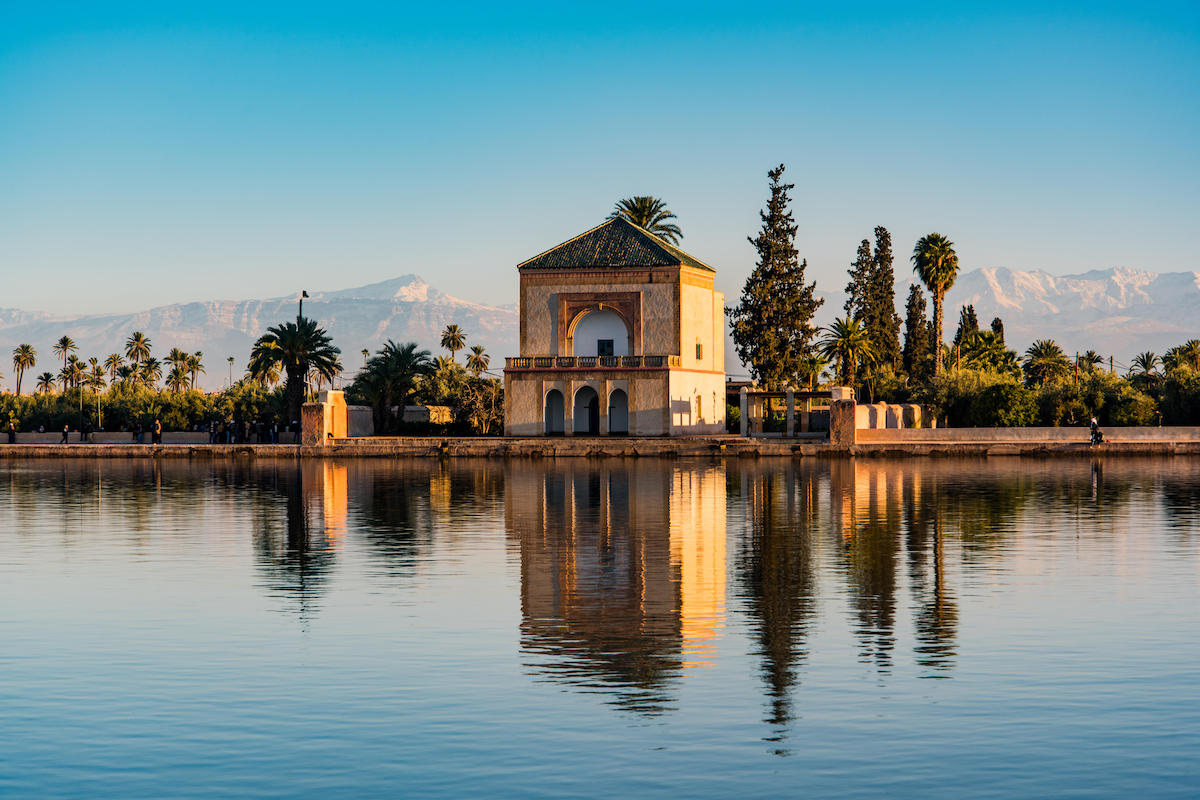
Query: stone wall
[(1017, 435)]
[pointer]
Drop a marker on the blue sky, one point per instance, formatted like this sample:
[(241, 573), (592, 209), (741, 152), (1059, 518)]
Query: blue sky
[(151, 155)]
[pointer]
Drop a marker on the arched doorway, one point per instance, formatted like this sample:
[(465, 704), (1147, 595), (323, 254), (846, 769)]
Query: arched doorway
[(555, 413), (618, 413), (600, 333), (587, 411)]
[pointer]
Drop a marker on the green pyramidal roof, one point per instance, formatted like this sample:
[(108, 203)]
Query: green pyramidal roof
[(616, 243)]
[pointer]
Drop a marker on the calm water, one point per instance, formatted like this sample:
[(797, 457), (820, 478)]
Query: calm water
[(684, 629)]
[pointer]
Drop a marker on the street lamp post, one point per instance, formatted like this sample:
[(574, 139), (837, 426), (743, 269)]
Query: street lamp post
[(300, 313), (231, 372)]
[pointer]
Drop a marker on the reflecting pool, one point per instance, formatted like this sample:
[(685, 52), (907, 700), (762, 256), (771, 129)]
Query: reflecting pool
[(751, 628)]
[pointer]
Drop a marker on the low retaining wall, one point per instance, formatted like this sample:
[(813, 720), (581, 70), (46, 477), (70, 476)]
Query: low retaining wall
[(864, 436), (595, 447), (123, 437)]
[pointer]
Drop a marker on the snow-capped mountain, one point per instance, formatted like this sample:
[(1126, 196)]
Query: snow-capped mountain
[(1117, 311), (406, 309)]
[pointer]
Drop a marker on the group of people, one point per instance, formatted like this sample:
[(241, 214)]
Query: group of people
[(244, 432)]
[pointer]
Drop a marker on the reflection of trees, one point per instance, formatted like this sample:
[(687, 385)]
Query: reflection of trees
[(295, 558), (1181, 498), (777, 574), (865, 500), (936, 616), (600, 606), (394, 517)]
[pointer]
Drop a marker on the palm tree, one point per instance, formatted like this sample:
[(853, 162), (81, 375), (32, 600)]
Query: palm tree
[(72, 374), (297, 347), (478, 361), (125, 374), (149, 371), (195, 366), (811, 367), (1044, 361), (112, 364), (24, 357), (936, 264), (177, 378), (95, 375), (1189, 353), (1144, 364), (1089, 361), (63, 348), (390, 376), (177, 358), (453, 339), (649, 213), (848, 343), (137, 348), (985, 350), (45, 382)]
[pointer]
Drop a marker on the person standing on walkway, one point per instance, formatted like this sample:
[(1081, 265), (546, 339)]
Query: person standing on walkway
[(12, 433), (66, 430), (156, 437)]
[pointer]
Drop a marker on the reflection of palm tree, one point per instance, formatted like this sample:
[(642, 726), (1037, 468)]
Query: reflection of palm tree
[(295, 562)]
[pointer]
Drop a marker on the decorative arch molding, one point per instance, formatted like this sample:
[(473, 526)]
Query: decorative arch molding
[(574, 306)]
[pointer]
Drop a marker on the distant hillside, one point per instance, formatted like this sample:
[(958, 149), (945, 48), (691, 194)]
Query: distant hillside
[(1116, 311), (404, 309)]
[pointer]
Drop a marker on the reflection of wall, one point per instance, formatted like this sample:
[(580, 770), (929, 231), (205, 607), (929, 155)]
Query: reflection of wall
[(622, 571), (697, 518)]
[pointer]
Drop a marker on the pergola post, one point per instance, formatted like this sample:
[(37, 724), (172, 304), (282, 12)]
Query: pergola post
[(791, 412), (744, 406)]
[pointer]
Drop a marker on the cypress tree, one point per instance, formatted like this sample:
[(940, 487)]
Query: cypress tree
[(883, 323), (917, 355), (968, 324), (871, 297), (858, 289), (998, 328), (772, 323)]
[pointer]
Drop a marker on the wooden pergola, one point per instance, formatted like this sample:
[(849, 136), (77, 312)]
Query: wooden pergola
[(752, 403)]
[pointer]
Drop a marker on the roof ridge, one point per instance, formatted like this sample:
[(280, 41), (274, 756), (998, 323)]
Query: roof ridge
[(676, 252), (568, 241), (616, 242)]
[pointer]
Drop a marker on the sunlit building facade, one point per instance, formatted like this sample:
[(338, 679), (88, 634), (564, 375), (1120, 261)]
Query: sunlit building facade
[(621, 333)]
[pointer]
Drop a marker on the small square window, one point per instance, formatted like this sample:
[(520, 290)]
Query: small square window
[(699, 351), (604, 347)]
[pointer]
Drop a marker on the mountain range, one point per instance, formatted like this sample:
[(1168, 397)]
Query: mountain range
[(1116, 312), (404, 309)]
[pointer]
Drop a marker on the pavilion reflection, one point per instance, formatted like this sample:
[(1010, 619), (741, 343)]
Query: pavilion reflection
[(622, 573)]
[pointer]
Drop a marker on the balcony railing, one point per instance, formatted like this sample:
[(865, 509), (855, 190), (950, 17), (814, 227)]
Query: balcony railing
[(592, 362)]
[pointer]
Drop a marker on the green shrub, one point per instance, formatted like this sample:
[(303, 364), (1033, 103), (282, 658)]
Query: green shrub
[(1003, 405)]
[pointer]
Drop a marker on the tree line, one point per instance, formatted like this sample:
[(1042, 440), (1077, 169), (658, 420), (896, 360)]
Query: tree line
[(975, 379), (289, 364)]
